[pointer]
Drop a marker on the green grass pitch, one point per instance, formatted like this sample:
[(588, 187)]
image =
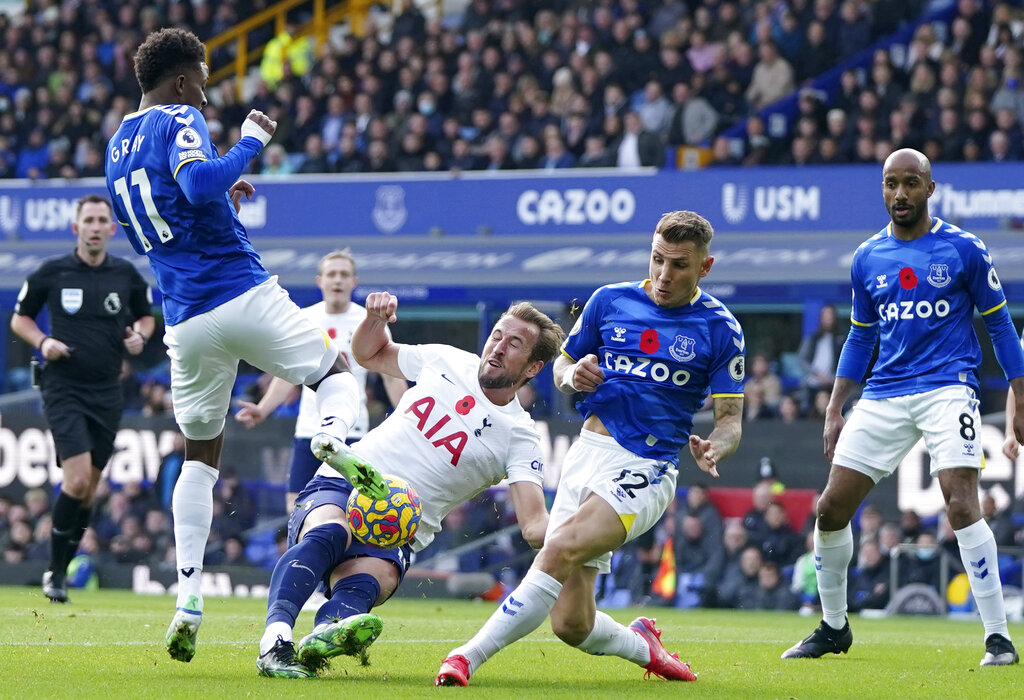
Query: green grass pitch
[(109, 644)]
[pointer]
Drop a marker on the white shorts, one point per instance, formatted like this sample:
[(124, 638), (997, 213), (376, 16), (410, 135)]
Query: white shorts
[(265, 328), (639, 489), (880, 432)]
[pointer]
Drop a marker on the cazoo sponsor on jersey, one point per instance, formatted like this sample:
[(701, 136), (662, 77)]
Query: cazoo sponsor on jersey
[(906, 310), (644, 367), (778, 203)]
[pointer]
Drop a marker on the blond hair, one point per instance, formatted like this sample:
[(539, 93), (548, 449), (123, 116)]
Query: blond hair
[(341, 254)]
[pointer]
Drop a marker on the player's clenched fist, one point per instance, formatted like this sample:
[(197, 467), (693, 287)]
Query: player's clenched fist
[(263, 121), (383, 305), (260, 126), (586, 374)]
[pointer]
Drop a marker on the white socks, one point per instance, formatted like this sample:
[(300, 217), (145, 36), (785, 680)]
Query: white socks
[(338, 401), (980, 558), (609, 638), (270, 635), (192, 507), (520, 613), (832, 554)]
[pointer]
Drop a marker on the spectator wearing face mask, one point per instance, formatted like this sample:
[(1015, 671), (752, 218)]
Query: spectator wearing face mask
[(921, 566)]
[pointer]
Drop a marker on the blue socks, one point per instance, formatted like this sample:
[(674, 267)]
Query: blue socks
[(351, 595), (300, 570)]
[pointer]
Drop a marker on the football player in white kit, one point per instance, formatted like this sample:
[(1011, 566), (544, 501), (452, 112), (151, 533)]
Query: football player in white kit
[(338, 316), (459, 430)]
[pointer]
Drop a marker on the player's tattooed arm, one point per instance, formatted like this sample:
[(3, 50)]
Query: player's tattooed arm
[(728, 425), (723, 440)]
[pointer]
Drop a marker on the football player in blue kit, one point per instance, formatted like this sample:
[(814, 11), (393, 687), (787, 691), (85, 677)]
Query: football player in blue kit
[(916, 284), (178, 201), (641, 359)]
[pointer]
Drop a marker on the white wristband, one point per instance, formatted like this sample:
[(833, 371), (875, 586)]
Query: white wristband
[(251, 128), (569, 381)]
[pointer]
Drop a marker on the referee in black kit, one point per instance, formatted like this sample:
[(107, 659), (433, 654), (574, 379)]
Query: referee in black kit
[(92, 299)]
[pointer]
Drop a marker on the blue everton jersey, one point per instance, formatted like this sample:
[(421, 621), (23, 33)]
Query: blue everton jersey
[(921, 296), (659, 364), (199, 252)]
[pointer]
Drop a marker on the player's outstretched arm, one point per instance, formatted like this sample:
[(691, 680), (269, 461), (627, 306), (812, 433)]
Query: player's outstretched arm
[(252, 414), (531, 513), (571, 377), (725, 437), (371, 346)]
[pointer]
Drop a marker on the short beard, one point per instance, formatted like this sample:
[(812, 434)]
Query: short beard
[(914, 218), (502, 382)]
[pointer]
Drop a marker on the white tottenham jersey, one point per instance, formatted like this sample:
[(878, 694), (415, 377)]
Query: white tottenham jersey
[(446, 439), (340, 328)]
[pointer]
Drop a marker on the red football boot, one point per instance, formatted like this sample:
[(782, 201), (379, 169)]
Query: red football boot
[(663, 664)]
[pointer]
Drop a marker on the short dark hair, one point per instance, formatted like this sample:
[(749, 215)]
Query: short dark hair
[(167, 52), (679, 226), (92, 199)]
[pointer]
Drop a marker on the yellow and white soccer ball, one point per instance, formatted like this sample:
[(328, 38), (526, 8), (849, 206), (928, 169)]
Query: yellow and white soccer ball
[(389, 522)]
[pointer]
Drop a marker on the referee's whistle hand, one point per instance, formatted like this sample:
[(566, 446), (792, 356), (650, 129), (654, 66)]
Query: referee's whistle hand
[(53, 350), (133, 341)]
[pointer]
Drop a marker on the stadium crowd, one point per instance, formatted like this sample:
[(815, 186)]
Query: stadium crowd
[(762, 561), (553, 84), (511, 85)]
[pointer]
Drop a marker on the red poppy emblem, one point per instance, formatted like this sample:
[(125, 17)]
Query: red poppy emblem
[(649, 341), (908, 280), (333, 333), (464, 406)]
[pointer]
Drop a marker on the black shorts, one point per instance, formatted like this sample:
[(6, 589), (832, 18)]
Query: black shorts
[(82, 418)]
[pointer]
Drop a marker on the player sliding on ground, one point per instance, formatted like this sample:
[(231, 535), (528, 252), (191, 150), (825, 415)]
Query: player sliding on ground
[(459, 430), (643, 357)]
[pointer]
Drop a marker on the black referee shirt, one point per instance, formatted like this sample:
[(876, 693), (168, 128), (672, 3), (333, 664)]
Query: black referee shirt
[(89, 308)]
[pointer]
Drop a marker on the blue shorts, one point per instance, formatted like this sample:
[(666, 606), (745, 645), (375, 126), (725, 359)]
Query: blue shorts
[(324, 490), (304, 463)]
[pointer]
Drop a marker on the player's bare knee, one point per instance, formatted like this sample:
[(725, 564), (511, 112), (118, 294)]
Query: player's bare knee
[(571, 630), (961, 511), (75, 485), (561, 553), (833, 513)]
